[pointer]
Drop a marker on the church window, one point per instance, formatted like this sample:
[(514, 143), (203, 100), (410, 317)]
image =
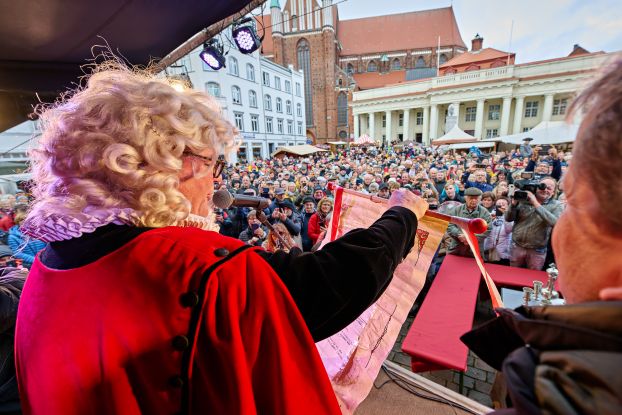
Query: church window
[(342, 109), (372, 67), (304, 63), (420, 62), (396, 64), (442, 59), (350, 69)]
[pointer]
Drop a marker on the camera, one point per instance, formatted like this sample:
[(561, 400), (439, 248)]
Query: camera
[(525, 184)]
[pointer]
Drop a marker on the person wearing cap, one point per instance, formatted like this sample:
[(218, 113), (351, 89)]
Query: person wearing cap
[(285, 213), (279, 197), (308, 209), (383, 190), (470, 209), (318, 193), (525, 149)]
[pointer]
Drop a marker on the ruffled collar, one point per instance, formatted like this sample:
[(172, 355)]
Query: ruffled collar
[(58, 227)]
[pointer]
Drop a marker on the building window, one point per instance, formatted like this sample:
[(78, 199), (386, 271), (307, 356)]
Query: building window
[(400, 119), (277, 83), (559, 106), (265, 77), (350, 69), (396, 64), (279, 105), (494, 112), (342, 109), (213, 89), (525, 129), (290, 127), (531, 109), (471, 112), (252, 99), (299, 110), (267, 102), (269, 125), (250, 72), (236, 95), (233, 66), (288, 87), (419, 119), (420, 62), (279, 125), (442, 59), (492, 133), (239, 120), (299, 127), (384, 120), (288, 107), (304, 63), (372, 67), (254, 123)]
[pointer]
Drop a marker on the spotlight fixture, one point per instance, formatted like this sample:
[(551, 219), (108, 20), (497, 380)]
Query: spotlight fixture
[(212, 54), (245, 35)]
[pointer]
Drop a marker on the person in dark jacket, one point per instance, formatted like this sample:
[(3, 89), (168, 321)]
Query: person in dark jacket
[(308, 209), (566, 359)]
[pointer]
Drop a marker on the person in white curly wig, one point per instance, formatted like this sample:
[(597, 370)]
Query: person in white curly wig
[(134, 307)]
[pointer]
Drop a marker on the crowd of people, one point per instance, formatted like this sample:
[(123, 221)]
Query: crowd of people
[(515, 192)]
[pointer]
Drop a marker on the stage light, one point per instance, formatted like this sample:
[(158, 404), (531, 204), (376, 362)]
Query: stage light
[(212, 54), (245, 35)]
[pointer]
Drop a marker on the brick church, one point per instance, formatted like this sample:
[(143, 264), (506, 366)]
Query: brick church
[(341, 56)]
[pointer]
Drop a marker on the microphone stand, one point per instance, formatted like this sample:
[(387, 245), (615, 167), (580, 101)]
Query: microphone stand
[(264, 220)]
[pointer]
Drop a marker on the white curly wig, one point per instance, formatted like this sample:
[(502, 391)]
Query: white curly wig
[(117, 144)]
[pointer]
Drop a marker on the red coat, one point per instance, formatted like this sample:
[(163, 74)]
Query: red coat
[(314, 227), (142, 331)]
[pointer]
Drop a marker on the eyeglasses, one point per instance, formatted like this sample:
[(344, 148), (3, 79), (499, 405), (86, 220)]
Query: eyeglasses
[(204, 170)]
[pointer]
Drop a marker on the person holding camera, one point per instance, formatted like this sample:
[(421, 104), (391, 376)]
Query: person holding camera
[(255, 233), (534, 218)]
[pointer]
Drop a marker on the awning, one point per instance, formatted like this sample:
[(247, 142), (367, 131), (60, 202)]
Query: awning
[(338, 143), (454, 136), (45, 43), (301, 150), (547, 133), (466, 146)]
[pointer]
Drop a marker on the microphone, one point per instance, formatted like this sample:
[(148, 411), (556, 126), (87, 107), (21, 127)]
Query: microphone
[(223, 200)]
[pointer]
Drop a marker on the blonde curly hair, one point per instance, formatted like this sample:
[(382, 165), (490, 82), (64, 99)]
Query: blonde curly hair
[(118, 143)]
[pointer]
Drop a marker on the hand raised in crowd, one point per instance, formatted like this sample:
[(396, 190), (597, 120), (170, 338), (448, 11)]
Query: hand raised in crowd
[(282, 215), (409, 200), (276, 214)]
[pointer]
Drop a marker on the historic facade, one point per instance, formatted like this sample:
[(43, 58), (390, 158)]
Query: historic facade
[(339, 57), (490, 102)]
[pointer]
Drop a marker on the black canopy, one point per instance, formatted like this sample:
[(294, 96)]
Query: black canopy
[(43, 43)]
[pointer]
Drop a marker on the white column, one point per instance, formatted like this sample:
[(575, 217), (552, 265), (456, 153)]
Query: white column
[(433, 121), (479, 119), (548, 107), (372, 126), (457, 113), (389, 128), (407, 124), (356, 126), (518, 115), (425, 137), (505, 116)]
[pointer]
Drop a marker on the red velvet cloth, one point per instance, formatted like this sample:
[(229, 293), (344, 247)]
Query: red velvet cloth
[(99, 339), (513, 277), (433, 341)]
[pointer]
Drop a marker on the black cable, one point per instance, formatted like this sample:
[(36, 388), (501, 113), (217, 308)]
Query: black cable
[(409, 388)]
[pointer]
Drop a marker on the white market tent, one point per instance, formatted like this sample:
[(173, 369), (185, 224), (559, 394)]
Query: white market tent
[(364, 139), (547, 132), (454, 136), (466, 146), (301, 150), (338, 143)]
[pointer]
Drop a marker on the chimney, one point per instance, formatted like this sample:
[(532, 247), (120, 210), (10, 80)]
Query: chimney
[(476, 43)]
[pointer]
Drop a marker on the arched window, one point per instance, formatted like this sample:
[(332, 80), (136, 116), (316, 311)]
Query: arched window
[(279, 105), (442, 59), (340, 82), (267, 102), (213, 89), (304, 63), (420, 62), (350, 69), (294, 20), (396, 64), (497, 64), (342, 109), (233, 66), (252, 99), (372, 67), (472, 68), (236, 95), (298, 110), (288, 107), (250, 72)]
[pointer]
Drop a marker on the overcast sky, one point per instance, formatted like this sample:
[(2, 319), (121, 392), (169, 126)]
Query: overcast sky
[(543, 29)]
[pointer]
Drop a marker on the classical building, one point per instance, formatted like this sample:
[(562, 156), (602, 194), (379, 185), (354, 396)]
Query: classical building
[(264, 100), (491, 97), (339, 57)]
